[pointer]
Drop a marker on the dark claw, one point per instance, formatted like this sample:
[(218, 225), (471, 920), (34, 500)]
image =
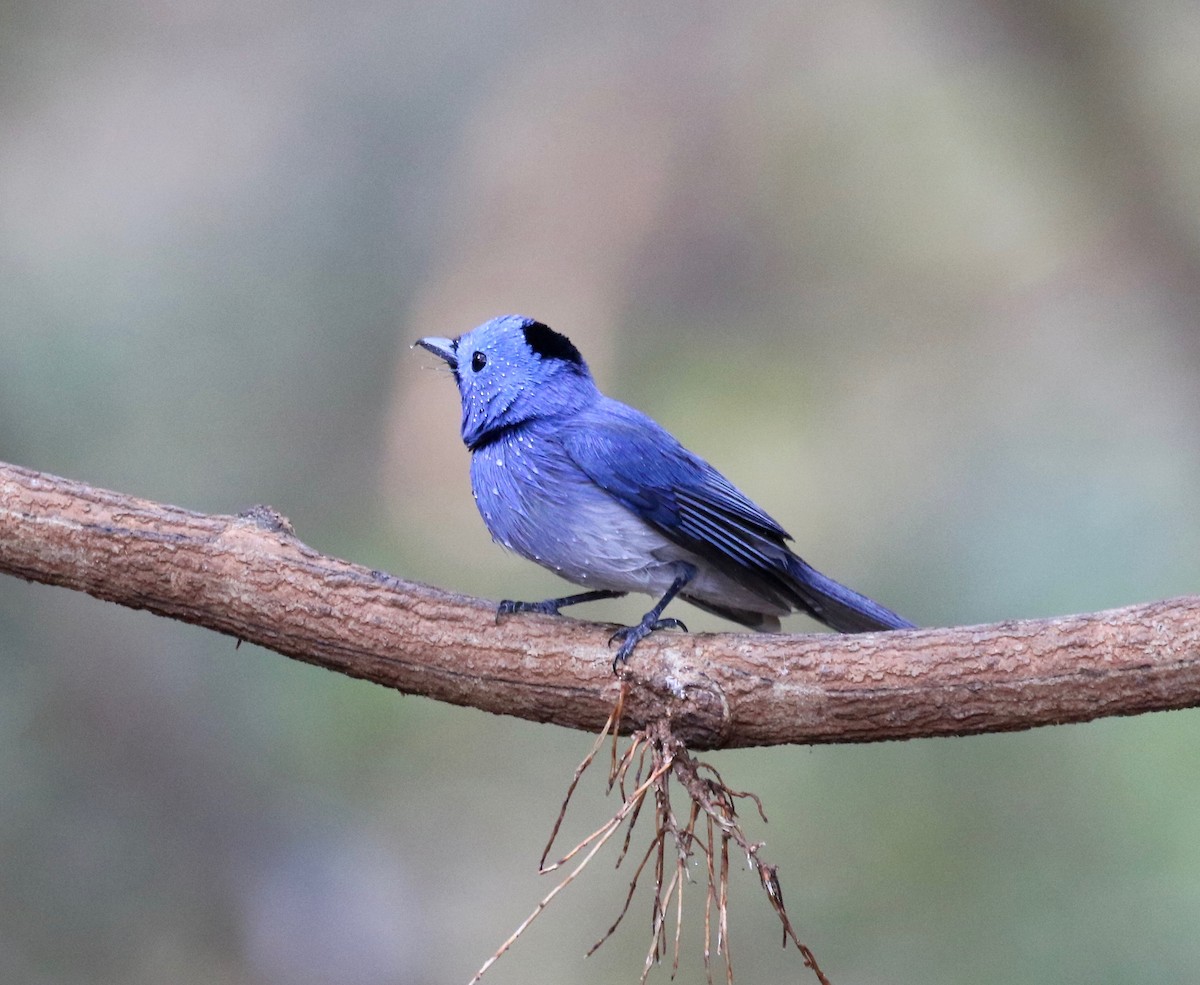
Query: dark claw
[(506, 608), (631, 636), (551, 607)]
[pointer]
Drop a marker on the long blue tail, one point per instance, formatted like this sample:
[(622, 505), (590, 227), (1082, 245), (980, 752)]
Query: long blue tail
[(839, 607)]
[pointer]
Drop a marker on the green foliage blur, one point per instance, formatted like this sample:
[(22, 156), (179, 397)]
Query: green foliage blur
[(923, 279)]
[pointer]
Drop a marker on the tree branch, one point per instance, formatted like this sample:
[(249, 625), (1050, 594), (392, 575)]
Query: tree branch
[(248, 576)]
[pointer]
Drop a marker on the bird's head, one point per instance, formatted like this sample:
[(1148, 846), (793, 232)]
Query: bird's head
[(510, 370)]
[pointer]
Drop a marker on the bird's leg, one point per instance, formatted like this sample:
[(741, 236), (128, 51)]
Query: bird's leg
[(550, 607), (631, 636)]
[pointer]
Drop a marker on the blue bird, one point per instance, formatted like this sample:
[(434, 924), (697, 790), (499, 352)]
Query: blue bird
[(603, 496)]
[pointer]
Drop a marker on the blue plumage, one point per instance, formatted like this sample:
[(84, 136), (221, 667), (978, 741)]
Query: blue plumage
[(599, 493)]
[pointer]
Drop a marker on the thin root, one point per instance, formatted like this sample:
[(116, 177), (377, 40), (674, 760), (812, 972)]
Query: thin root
[(710, 801)]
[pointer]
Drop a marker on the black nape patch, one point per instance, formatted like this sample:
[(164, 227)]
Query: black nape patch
[(548, 344)]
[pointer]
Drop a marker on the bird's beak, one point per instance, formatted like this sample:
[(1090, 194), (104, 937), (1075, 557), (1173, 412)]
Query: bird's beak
[(442, 348)]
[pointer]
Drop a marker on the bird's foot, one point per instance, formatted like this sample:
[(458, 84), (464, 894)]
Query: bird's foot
[(548, 607), (631, 636)]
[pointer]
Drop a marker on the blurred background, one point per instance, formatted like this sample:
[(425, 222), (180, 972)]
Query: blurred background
[(923, 279)]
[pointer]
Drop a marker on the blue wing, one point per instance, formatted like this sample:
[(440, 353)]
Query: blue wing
[(648, 471)]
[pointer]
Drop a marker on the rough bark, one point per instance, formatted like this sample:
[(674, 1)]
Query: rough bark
[(250, 577)]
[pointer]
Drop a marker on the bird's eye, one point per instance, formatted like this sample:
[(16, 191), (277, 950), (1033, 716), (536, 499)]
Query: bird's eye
[(478, 361)]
